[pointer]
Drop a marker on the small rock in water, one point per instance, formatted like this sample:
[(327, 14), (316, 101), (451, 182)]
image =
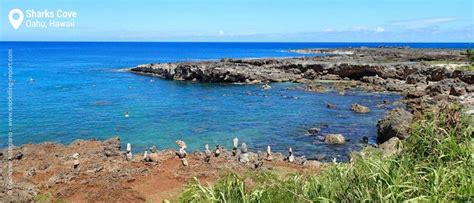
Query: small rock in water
[(266, 86), (313, 131), (330, 106), (360, 109), (365, 140), (334, 139)]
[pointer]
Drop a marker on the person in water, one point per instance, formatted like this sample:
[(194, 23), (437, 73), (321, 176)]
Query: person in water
[(126, 114)]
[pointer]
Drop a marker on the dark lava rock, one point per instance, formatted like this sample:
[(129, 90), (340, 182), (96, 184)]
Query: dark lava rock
[(454, 87), (313, 131), (416, 78), (330, 106), (415, 94), (437, 73), (467, 77), (395, 123)]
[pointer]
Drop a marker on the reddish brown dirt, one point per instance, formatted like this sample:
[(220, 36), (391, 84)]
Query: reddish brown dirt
[(46, 172)]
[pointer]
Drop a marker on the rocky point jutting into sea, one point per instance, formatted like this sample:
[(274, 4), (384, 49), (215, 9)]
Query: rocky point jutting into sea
[(102, 171)]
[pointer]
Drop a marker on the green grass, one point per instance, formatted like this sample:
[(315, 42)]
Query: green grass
[(436, 164), (466, 68), (470, 55)]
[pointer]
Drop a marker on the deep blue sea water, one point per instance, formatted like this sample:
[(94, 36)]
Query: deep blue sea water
[(79, 92)]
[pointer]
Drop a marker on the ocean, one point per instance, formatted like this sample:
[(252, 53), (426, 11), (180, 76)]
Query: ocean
[(65, 91)]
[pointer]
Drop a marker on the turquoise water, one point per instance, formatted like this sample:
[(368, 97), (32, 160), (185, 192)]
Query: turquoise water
[(79, 92)]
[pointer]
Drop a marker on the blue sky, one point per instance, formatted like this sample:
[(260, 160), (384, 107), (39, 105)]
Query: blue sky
[(252, 20)]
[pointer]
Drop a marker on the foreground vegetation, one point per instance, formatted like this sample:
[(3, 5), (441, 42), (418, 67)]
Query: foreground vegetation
[(436, 164)]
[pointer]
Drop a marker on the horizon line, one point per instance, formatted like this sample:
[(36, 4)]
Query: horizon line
[(388, 42)]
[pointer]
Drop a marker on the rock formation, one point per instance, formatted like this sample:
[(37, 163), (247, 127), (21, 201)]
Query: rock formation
[(207, 153), (182, 152), (269, 153), (396, 123), (291, 157), (129, 154), (235, 143), (243, 156), (334, 139), (360, 108)]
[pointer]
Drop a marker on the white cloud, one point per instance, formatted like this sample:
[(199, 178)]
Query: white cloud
[(221, 32), (422, 23), (379, 29), (328, 30)]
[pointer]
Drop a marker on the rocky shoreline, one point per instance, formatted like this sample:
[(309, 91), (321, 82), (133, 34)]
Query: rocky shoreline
[(426, 78), (102, 171), (91, 170)]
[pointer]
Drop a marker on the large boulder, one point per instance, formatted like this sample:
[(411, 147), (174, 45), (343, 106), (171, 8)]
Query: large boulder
[(334, 139), (395, 123)]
